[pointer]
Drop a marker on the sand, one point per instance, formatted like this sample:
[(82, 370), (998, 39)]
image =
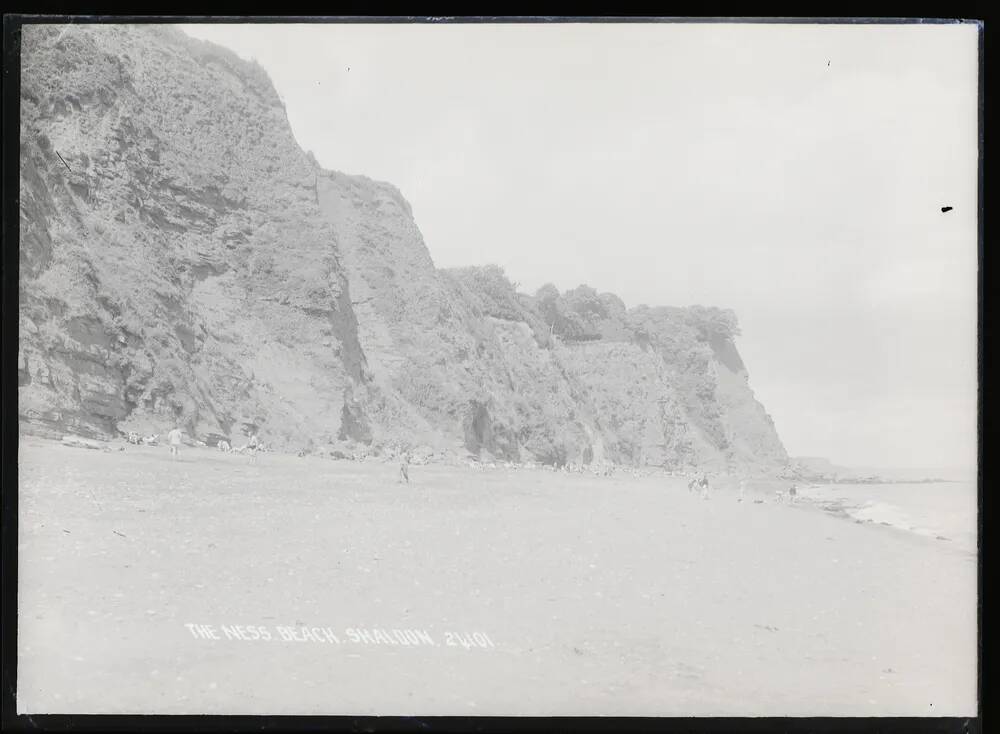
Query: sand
[(598, 596)]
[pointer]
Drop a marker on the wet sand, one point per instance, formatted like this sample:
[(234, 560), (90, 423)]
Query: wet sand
[(617, 596)]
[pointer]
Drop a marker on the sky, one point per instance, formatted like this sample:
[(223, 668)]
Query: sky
[(793, 173)]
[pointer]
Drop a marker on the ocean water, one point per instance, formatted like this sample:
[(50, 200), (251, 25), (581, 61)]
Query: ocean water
[(947, 509)]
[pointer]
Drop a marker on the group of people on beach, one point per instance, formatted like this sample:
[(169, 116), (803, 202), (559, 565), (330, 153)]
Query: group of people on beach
[(699, 484), (176, 435), (702, 486)]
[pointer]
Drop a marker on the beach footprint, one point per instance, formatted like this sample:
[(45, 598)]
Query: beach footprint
[(680, 669)]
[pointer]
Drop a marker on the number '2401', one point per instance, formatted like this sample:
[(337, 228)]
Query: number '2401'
[(468, 641)]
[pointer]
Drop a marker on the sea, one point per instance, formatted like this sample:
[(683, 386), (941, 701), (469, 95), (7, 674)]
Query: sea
[(934, 509)]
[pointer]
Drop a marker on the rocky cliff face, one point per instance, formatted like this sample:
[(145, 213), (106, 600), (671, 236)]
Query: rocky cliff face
[(183, 260), (174, 263)]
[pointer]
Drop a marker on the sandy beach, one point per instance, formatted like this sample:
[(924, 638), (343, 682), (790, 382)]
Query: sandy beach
[(540, 593)]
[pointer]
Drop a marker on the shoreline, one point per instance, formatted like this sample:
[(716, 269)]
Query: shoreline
[(846, 512)]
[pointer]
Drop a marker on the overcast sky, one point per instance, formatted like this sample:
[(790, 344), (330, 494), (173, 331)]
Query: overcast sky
[(795, 174)]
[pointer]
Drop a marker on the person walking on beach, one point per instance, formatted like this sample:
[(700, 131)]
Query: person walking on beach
[(404, 468), (704, 486), (791, 494), (174, 438), (252, 447), (743, 487)]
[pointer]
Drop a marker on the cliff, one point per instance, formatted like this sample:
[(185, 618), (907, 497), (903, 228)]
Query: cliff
[(182, 259)]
